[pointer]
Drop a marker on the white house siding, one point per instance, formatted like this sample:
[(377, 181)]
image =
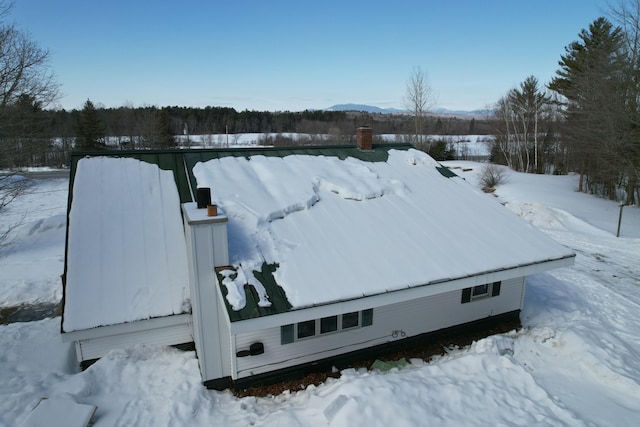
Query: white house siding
[(206, 249), (224, 336), (145, 332), (390, 323)]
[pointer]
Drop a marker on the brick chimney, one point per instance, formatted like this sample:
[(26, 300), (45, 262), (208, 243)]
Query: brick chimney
[(365, 138)]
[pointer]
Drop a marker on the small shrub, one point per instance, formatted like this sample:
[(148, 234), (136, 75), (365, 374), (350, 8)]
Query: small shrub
[(492, 175)]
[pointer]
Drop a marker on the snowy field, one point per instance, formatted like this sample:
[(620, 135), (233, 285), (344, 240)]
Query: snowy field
[(465, 146), (576, 362)]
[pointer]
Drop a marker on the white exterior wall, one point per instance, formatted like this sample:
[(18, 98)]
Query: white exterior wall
[(412, 318), (97, 342), (206, 249)]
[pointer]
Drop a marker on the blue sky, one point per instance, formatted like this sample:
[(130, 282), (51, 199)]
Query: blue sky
[(293, 55)]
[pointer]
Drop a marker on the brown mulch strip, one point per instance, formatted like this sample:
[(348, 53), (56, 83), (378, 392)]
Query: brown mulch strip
[(424, 351)]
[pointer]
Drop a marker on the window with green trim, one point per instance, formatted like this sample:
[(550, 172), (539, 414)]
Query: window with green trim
[(326, 325)]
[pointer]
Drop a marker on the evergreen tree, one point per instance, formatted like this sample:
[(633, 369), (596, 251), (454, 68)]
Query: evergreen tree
[(627, 15), (90, 131), (165, 138), (591, 79), (24, 136)]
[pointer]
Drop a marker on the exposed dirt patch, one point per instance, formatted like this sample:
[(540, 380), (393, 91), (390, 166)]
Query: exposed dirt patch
[(28, 312)]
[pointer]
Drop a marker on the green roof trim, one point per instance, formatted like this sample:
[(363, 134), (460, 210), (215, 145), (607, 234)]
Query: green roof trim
[(277, 296), (446, 172)]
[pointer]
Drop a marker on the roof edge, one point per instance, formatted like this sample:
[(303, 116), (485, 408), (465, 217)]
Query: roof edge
[(399, 295), (127, 327)]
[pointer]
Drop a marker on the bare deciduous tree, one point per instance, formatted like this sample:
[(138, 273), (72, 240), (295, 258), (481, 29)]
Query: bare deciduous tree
[(24, 66), (11, 187), (419, 99), (25, 80), (24, 74), (520, 116)]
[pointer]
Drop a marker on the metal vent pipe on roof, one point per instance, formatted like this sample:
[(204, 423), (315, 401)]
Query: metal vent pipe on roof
[(203, 196)]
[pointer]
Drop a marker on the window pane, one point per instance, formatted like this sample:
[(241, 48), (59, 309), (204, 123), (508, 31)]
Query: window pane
[(306, 329), (350, 320), (367, 317), (480, 290), (328, 324), (286, 334)]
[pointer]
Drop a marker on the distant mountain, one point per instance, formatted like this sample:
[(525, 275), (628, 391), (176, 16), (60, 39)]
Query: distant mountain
[(374, 109), (365, 108)]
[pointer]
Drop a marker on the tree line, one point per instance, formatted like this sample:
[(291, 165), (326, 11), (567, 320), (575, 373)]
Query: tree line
[(32, 134), (37, 137), (587, 118)]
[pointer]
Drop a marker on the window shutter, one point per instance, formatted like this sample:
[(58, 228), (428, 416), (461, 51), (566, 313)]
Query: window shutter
[(367, 317), (466, 295), (495, 289), (286, 334)]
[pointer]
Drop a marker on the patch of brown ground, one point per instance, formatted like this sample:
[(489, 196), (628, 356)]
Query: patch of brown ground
[(29, 312), (423, 351)]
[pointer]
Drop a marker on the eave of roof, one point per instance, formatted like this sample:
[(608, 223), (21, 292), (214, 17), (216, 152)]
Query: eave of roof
[(244, 325)]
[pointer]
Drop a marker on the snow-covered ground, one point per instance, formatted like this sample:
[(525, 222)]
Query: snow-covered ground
[(465, 146), (575, 362), (32, 258)]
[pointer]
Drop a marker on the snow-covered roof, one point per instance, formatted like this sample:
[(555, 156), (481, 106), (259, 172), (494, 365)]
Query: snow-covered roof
[(343, 229), (327, 227), (126, 250)]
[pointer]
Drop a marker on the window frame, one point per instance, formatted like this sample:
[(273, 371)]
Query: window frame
[(351, 313), (304, 323), (480, 295), (289, 333), (492, 290), (337, 324)]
